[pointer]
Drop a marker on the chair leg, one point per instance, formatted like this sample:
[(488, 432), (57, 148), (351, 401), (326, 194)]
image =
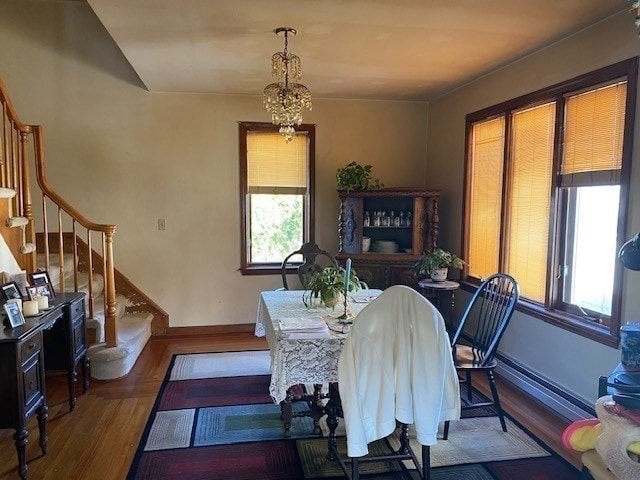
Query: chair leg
[(467, 382), (426, 462), (355, 474), (445, 433), (496, 399)]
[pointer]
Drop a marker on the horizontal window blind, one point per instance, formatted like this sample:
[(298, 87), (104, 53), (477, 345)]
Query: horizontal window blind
[(276, 166), (529, 201), (487, 152), (594, 129)]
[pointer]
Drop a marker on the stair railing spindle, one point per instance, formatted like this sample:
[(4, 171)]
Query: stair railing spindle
[(61, 250), (3, 147), (46, 232), (75, 256), (90, 257)]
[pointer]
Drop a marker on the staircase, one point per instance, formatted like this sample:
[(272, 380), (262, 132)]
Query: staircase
[(76, 253)]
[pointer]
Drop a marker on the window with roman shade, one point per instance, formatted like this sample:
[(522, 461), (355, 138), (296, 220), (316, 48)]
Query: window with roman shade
[(276, 194)]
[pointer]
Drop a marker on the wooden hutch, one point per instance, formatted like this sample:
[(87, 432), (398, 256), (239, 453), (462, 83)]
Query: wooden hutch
[(380, 267)]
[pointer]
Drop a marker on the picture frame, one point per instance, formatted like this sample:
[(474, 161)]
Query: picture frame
[(44, 289), (10, 291), (14, 315), (39, 278)]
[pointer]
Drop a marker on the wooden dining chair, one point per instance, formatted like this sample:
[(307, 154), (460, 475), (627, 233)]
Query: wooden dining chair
[(310, 253), (482, 326), (395, 369)]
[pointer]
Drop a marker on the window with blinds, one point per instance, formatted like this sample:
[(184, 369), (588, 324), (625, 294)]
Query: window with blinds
[(276, 194), (487, 160), (546, 199)]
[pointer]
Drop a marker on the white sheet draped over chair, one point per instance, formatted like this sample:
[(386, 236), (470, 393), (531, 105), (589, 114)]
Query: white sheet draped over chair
[(396, 364)]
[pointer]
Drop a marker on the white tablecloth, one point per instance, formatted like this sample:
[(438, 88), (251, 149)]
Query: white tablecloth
[(303, 358)]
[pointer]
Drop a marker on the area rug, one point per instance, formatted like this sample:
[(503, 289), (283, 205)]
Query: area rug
[(214, 419)]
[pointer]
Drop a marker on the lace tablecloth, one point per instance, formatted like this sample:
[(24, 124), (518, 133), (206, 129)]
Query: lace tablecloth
[(302, 358)]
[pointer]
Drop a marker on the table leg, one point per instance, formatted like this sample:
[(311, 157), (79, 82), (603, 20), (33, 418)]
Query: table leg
[(286, 414), (333, 411), (317, 410), (42, 427), (72, 378), (20, 438), (452, 308), (86, 370)]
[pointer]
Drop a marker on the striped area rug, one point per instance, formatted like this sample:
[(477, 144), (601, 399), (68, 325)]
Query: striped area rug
[(214, 419)]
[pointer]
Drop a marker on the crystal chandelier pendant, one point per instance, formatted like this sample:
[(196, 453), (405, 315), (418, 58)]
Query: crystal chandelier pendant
[(285, 99)]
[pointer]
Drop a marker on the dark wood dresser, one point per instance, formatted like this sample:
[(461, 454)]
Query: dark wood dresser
[(54, 340)]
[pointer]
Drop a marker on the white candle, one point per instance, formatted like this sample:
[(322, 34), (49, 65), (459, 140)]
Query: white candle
[(347, 275), (43, 302), (30, 308)]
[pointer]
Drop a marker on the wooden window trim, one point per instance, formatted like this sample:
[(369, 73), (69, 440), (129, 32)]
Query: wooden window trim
[(309, 215), (605, 334)]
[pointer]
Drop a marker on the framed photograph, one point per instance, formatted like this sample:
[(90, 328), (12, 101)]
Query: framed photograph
[(14, 315), (43, 290), (39, 278), (10, 291)]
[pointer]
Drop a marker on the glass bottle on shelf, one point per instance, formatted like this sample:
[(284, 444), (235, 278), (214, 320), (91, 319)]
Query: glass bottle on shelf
[(408, 219), (376, 219), (400, 220), (367, 219)]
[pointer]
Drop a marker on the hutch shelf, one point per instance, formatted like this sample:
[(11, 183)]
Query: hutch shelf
[(394, 245)]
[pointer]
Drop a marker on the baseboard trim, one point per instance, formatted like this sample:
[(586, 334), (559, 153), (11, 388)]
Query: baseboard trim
[(546, 393), (210, 329)]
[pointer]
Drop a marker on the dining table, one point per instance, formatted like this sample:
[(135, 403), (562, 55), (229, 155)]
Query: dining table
[(306, 356)]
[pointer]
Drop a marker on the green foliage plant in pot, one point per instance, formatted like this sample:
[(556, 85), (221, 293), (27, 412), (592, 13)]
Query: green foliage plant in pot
[(357, 177), (436, 264), (327, 286)]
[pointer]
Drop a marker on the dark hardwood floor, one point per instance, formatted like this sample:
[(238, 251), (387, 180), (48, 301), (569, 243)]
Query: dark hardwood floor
[(99, 439)]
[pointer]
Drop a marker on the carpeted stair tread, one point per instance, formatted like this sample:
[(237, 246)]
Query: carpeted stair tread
[(134, 329), (7, 192)]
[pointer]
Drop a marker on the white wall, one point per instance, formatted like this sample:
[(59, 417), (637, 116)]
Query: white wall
[(564, 358), (125, 156)]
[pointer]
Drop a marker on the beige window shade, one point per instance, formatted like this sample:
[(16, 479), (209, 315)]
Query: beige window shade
[(594, 130), (487, 159), (275, 166), (529, 201)]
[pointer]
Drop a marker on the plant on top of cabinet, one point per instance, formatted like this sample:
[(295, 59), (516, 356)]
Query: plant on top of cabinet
[(356, 177)]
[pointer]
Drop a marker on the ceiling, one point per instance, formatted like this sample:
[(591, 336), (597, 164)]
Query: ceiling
[(367, 49)]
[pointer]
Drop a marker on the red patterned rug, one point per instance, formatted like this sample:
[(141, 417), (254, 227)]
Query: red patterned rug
[(238, 429)]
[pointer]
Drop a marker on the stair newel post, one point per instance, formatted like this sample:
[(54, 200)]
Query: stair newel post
[(27, 212), (111, 326)]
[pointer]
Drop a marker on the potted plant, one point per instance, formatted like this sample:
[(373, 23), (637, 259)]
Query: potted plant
[(328, 286), (356, 177), (436, 264)]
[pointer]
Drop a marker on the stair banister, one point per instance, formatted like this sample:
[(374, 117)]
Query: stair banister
[(107, 231)]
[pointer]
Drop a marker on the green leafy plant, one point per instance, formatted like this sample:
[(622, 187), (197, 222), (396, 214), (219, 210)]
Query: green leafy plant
[(328, 284), (439, 258), (356, 177)]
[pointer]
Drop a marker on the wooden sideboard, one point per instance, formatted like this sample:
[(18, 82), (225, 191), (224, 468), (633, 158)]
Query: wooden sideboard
[(54, 340), (382, 269)]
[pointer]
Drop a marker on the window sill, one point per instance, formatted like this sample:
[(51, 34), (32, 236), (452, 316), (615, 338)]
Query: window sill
[(266, 269), (566, 321)]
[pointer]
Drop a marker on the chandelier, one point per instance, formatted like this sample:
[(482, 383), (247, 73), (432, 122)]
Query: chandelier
[(286, 99)]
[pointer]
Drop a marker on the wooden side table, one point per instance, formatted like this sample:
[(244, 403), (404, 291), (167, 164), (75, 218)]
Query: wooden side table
[(437, 290)]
